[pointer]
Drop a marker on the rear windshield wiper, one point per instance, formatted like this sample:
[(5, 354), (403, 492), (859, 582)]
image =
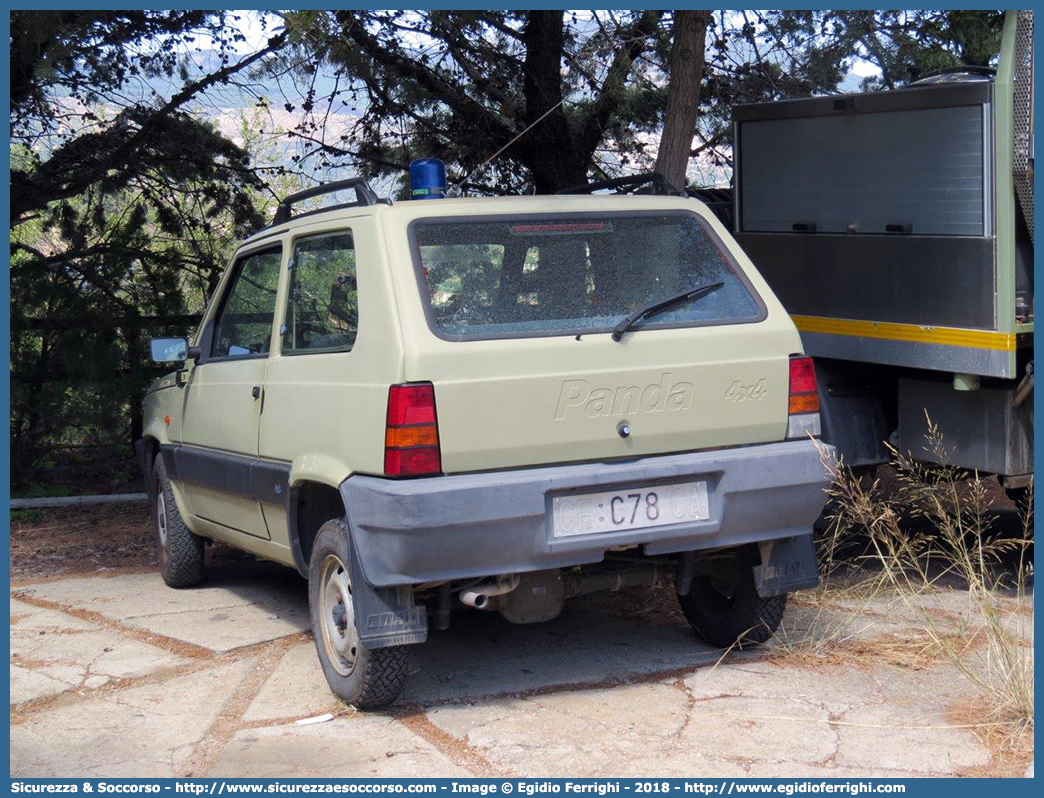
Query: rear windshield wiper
[(628, 322)]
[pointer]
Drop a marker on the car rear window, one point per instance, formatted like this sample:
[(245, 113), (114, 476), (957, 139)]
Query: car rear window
[(570, 274)]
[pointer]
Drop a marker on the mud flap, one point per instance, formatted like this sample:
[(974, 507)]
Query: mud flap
[(146, 467), (787, 565), (384, 616)]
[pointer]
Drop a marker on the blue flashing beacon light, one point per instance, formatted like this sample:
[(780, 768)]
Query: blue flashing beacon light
[(427, 179)]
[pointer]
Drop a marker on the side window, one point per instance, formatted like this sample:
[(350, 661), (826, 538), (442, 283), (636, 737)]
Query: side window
[(244, 323), (322, 305)]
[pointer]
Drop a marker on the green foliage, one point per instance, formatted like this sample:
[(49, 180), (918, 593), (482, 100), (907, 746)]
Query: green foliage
[(907, 45), (125, 205), (27, 515), (758, 56), (547, 88), (38, 490), (127, 200), (517, 101)]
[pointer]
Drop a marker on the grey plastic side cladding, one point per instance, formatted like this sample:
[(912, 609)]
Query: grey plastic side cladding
[(384, 616), (787, 565)]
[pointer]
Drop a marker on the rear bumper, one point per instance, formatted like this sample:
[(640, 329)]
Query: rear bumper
[(475, 525)]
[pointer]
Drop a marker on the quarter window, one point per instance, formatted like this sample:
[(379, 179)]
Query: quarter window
[(322, 307), (244, 323)]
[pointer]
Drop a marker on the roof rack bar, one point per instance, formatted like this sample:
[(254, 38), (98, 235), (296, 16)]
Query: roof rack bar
[(655, 179), (363, 196)]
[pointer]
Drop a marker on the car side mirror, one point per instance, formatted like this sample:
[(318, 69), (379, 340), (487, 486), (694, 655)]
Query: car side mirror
[(172, 350)]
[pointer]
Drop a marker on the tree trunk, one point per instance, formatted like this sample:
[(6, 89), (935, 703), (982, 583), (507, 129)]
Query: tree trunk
[(683, 95), (548, 148), (135, 367)]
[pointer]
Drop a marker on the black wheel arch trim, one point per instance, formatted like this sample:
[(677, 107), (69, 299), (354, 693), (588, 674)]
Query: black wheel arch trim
[(264, 481)]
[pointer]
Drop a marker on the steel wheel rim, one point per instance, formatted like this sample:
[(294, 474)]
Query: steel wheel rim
[(161, 518), (337, 615)]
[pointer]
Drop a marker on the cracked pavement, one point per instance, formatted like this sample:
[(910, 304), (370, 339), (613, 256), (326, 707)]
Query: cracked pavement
[(116, 675)]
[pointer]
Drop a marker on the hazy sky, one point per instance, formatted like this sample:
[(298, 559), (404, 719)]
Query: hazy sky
[(258, 26), (256, 34)]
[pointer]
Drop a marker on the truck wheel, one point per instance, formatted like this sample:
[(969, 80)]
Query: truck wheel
[(725, 609), (178, 551), (1021, 499), (365, 678)]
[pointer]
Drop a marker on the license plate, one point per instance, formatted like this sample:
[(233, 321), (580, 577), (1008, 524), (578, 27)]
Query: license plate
[(631, 508)]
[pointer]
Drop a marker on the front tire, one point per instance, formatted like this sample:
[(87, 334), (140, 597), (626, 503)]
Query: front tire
[(364, 678), (725, 609), (178, 551)]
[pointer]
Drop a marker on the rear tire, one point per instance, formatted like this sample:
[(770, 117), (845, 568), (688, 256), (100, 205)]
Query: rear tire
[(178, 551), (1021, 499), (725, 609), (364, 678)]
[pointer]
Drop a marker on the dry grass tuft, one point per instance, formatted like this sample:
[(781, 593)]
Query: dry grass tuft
[(1010, 746), (991, 643), (843, 641)]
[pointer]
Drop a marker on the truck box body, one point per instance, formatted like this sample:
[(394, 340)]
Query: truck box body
[(873, 217), (896, 228)]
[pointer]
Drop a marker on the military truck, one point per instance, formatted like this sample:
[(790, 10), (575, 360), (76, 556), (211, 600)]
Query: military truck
[(897, 229)]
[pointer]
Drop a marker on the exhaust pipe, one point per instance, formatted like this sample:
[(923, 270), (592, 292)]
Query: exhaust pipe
[(479, 595)]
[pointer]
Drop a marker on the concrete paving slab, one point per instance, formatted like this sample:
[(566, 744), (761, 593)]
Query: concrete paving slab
[(761, 730), (29, 685), (802, 770), (920, 690), (875, 707), (688, 764), (71, 653), (353, 746), (230, 628), (236, 606), (26, 616), (296, 689), (948, 610), (481, 654), (884, 736), (805, 627), (146, 731), (630, 730), (616, 686), (835, 689)]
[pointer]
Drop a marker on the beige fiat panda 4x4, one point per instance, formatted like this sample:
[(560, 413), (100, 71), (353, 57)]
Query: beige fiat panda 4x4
[(491, 403)]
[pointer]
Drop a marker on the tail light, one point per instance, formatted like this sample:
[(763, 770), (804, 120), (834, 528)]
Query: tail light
[(804, 399), (411, 437)]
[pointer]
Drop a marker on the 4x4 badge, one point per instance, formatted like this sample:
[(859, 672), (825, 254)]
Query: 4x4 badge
[(738, 392)]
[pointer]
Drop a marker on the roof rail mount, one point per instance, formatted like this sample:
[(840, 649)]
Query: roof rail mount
[(364, 196), (624, 185)]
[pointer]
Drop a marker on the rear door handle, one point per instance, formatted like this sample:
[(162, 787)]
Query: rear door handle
[(256, 391)]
